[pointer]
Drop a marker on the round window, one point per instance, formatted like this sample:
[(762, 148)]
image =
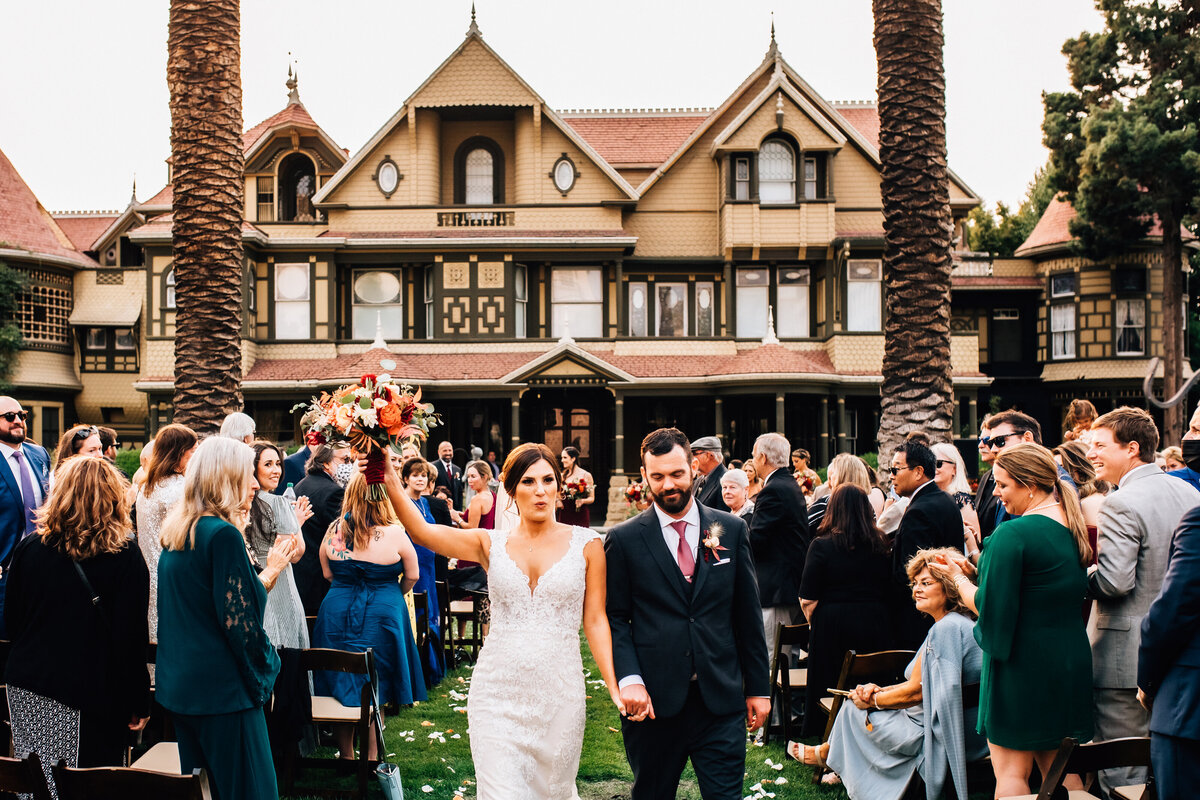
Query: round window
[(291, 282), (376, 287), (564, 175), (639, 298), (704, 298), (388, 177)]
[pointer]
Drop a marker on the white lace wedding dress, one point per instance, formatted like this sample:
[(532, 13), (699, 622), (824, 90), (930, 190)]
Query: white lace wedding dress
[(526, 707)]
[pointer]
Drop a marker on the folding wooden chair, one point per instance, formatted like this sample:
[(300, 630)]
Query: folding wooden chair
[(24, 776), (470, 609), (448, 631), (122, 783), (884, 667), (421, 606), (365, 717), (1080, 759), (784, 677)]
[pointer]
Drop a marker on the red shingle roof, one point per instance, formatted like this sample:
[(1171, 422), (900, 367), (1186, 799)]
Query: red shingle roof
[(1053, 228), (25, 225), (165, 197), (863, 117), (84, 229), (635, 138), (471, 233), (292, 114)]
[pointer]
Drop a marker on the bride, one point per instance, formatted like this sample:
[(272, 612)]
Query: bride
[(526, 707)]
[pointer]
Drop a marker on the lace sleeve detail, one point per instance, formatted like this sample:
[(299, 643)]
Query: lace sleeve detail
[(239, 599)]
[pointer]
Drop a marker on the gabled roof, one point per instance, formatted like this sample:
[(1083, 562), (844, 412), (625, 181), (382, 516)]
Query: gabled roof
[(1052, 231), (474, 37), (83, 228), (26, 226), (293, 115), (864, 116), (779, 83), (630, 138), (567, 358)]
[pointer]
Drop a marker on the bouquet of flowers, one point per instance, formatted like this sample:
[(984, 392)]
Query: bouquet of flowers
[(369, 416), (575, 490), (636, 492)]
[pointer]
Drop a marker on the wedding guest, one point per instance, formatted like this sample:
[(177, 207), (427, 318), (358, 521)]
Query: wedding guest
[(82, 440), (779, 536), (110, 443), (238, 426), (950, 475), (1078, 424), (470, 576), (293, 465), (844, 593), (414, 475), (271, 517), (575, 510), (216, 666), (449, 474), (173, 449), (491, 460), (805, 475), (878, 493), (710, 469), (371, 564), (76, 611), (1173, 459), (24, 484), (844, 469), (325, 495), (931, 520), (756, 483), (734, 484), (986, 503), (1072, 456), (886, 733), (1190, 449), (1035, 688), (1136, 522)]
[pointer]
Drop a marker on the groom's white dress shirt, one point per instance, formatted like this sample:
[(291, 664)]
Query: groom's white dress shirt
[(671, 539)]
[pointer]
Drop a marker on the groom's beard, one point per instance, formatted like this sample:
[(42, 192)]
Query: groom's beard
[(674, 500)]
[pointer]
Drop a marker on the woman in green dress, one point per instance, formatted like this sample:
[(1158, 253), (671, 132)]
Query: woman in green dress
[(216, 666), (1037, 669)]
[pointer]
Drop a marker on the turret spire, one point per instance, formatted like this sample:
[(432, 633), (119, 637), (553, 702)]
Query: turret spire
[(293, 84), (773, 49), (474, 29)]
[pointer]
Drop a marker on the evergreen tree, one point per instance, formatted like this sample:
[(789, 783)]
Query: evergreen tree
[(1003, 232), (12, 284), (1125, 146)]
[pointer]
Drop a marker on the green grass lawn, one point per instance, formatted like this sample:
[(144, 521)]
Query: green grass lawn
[(429, 743)]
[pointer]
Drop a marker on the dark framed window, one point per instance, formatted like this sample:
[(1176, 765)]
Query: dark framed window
[(776, 172), (108, 350), (297, 185), (1130, 320), (479, 172), (1129, 279), (376, 300), (1062, 331), (1004, 335), (169, 290), (1064, 284), (743, 178), (265, 197), (754, 288)]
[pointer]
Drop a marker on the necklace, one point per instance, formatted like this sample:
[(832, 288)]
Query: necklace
[(1043, 504)]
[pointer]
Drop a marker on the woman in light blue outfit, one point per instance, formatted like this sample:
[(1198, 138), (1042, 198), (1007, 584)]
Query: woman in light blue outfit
[(884, 734)]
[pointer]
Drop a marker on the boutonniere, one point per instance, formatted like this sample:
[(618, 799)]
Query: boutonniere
[(712, 542)]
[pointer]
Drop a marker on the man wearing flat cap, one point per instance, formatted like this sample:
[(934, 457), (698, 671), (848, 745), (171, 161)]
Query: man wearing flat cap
[(710, 462)]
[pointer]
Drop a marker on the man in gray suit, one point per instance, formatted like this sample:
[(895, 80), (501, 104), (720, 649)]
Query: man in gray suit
[(1136, 523)]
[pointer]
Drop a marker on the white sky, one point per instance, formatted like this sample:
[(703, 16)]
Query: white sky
[(83, 96)]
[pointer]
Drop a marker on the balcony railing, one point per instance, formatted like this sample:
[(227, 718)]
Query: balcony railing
[(476, 219)]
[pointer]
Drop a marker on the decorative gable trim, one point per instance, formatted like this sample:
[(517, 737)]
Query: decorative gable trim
[(778, 83), (567, 364)]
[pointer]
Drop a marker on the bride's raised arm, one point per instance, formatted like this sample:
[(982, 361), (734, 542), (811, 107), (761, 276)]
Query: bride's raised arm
[(595, 618), (468, 545)]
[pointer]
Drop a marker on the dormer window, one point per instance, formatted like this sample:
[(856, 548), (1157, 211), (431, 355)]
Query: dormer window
[(776, 172), (297, 185), (479, 173)]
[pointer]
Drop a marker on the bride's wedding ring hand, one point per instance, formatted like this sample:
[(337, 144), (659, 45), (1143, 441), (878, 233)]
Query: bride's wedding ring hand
[(615, 694), (637, 703)]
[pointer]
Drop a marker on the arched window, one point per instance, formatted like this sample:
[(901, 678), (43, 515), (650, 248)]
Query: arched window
[(776, 172), (479, 173), (297, 185), (169, 290)]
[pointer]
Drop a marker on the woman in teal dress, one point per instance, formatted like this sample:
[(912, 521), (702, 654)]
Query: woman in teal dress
[(216, 666), (1037, 671), (371, 564)]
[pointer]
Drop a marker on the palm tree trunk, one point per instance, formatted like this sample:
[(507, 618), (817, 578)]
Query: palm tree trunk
[(204, 78), (1173, 323), (916, 393)]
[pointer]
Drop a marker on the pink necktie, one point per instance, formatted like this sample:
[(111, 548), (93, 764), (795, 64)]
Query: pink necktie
[(683, 553)]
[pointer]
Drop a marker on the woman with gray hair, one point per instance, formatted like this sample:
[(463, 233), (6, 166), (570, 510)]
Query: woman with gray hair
[(951, 477), (238, 426), (845, 468), (734, 487)]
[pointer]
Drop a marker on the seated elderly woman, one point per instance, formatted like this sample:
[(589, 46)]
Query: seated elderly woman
[(734, 487), (886, 734)]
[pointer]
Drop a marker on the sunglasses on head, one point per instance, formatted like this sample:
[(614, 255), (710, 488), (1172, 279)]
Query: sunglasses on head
[(84, 433), (11, 416)]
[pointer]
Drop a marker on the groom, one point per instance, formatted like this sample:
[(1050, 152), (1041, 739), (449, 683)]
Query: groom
[(687, 629)]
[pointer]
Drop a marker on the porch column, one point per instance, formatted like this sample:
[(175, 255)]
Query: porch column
[(973, 414), (515, 425), (841, 422), (823, 428), (619, 433), (956, 417), (719, 422), (779, 413)]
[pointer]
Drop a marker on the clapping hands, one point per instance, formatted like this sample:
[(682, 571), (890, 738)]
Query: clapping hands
[(303, 509)]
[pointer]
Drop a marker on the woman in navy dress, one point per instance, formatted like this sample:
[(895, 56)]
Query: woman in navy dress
[(371, 564), (415, 475)]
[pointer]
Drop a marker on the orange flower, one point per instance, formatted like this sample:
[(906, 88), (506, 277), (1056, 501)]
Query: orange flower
[(391, 418)]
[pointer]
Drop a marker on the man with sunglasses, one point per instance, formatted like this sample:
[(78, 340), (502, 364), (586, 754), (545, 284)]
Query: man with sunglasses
[(24, 484), (985, 492), (1010, 428)]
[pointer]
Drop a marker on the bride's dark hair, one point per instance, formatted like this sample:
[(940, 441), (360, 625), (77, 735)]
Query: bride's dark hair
[(521, 459)]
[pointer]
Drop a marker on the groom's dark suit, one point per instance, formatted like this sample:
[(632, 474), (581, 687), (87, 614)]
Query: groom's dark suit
[(699, 648)]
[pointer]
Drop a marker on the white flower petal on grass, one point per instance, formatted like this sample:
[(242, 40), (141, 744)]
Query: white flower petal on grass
[(777, 766), (456, 736), (780, 780), (427, 788), (768, 762)]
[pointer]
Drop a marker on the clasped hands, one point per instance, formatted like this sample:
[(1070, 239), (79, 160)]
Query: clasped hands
[(864, 696)]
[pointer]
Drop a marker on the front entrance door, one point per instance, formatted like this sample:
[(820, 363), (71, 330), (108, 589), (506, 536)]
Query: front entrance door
[(580, 418)]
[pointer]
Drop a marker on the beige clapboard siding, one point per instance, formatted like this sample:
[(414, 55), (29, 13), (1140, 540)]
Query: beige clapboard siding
[(109, 390), (795, 122), (855, 180), (686, 235), (475, 77)]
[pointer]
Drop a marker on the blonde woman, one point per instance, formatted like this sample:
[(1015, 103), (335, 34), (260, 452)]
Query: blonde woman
[(77, 679), (951, 477), (845, 468), (370, 564), (1037, 670), (216, 665)]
